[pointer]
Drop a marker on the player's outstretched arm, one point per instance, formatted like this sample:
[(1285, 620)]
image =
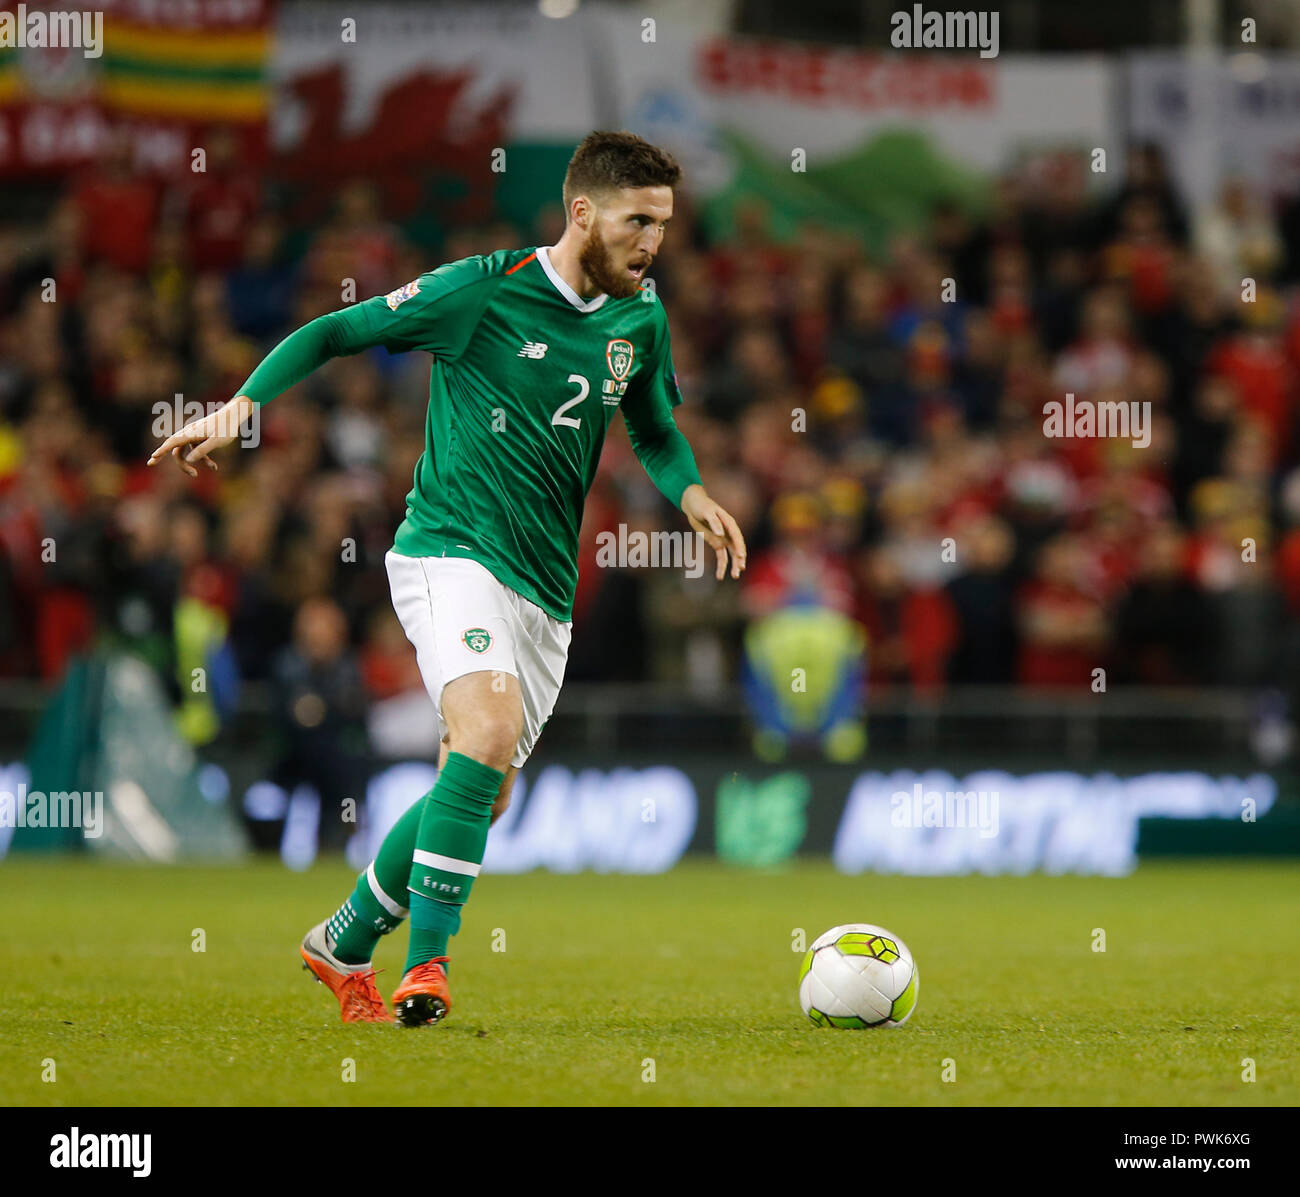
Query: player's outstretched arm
[(716, 525), (334, 335)]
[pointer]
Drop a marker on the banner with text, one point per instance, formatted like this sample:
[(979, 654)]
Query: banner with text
[(643, 817), (862, 139)]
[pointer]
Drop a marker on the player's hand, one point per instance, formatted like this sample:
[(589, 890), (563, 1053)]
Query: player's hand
[(717, 527), (211, 432)]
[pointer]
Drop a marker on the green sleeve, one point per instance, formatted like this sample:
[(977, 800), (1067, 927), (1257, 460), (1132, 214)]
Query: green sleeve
[(657, 441), (436, 312)]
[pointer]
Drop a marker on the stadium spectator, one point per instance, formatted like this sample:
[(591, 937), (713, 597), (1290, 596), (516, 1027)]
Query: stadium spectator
[(320, 708), (117, 207), (1063, 628), (218, 205), (984, 651)]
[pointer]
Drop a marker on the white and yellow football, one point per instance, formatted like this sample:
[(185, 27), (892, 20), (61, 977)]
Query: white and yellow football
[(856, 976)]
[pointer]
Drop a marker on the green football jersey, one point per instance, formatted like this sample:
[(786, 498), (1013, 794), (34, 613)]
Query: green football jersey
[(526, 378)]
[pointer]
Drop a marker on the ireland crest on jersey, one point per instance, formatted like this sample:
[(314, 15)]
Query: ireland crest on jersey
[(619, 354), (477, 640)]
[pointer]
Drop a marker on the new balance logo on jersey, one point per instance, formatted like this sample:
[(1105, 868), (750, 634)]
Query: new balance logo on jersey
[(534, 349)]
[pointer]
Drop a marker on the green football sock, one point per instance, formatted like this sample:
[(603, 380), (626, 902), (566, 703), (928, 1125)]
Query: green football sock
[(375, 907), (449, 848)]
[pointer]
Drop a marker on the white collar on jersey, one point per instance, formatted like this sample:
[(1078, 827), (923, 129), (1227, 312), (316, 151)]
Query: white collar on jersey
[(583, 305)]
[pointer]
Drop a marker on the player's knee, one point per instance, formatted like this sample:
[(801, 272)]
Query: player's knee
[(491, 740)]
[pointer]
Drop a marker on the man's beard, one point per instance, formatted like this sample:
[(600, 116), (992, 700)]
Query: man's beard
[(597, 265)]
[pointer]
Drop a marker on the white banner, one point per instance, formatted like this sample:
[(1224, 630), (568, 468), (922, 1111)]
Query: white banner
[(1060, 822), (698, 93), (1217, 116)]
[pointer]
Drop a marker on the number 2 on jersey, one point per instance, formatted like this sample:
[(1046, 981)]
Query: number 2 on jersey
[(584, 389)]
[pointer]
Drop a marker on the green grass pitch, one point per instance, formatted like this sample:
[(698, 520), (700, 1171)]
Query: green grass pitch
[(693, 970)]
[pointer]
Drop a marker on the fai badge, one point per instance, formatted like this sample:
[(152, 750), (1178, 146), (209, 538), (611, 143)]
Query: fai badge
[(618, 355), (477, 640)]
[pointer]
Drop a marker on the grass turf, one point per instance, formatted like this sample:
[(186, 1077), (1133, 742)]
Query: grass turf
[(693, 969)]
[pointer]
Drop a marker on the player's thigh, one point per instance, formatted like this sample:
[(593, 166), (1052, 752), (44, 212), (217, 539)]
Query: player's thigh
[(483, 712)]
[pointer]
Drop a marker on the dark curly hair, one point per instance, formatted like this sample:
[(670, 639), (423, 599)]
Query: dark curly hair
[(607, 161)]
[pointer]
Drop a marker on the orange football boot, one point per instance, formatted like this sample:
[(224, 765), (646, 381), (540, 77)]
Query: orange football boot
[(352, 984), (423, 998)]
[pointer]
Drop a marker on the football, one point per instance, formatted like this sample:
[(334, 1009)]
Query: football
[(856, 976)]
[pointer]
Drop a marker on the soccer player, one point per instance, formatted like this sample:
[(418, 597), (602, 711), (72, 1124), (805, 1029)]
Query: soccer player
[(534, 350)]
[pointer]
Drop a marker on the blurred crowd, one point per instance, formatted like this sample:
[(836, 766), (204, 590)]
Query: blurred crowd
[(877, 430)]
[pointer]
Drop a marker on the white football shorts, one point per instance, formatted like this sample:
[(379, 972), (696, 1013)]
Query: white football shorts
[(461, 620)]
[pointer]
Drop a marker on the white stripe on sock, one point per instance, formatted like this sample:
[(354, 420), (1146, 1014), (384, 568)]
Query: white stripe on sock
[(448, 863), (382, 898)]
